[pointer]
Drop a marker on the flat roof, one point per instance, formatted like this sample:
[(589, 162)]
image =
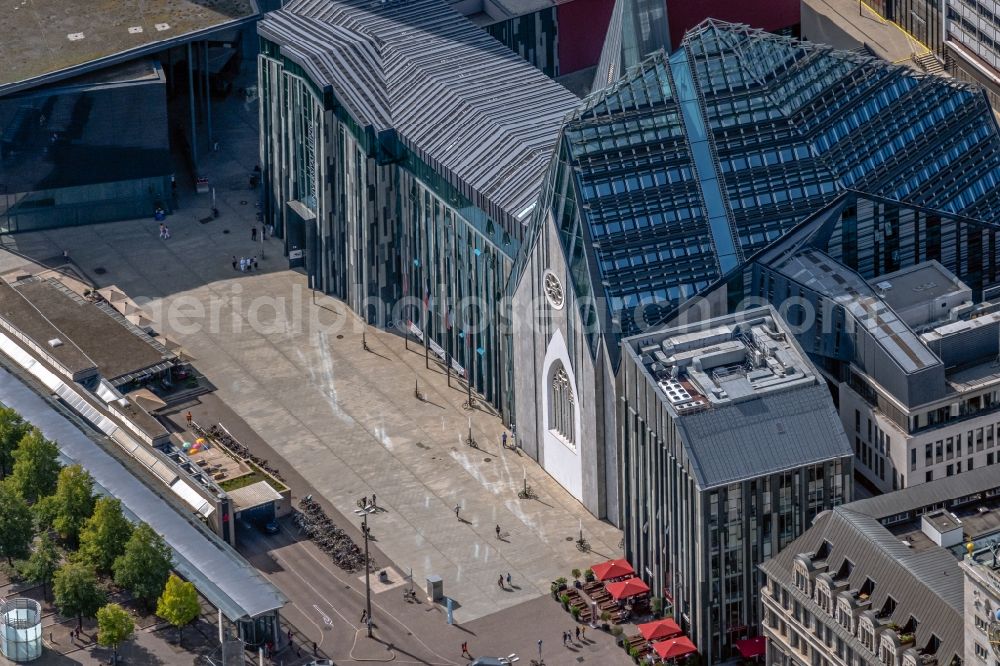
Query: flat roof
[(227, 580), (39, 38), (253, 495), (922, 283), (104, 336)]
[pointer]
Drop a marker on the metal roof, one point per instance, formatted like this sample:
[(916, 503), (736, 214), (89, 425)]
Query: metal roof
[(227, 580), (253, 495), (941, 490), (471, 108), (773, 433), (927, 585)]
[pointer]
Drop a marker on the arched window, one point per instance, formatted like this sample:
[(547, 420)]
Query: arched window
[(562, 414)]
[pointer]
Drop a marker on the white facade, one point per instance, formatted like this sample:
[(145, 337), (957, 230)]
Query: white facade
[(982, 606)]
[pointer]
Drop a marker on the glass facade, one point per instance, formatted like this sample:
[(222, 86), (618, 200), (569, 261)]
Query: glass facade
[(692, 163), (114, 123), (920, 18), (21, 629)]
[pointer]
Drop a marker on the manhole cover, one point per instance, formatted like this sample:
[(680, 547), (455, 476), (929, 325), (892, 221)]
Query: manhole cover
[(243, 203), (487, 459), (580, 660), (422, 446), (569, 538), (100, 270), (340, 337), (225, 231)]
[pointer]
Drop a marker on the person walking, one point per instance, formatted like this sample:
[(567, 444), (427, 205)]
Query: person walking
[(166, 232), (508, 580), (577, 633), (457, 508), (364, 615), (234, 262), (500, 582), (503, 439), (498, 531), (253, 232), (583, 632), (188, 418), (465, 650)]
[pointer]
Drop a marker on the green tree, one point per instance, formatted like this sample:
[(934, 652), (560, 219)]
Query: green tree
[(178, 604), (36, 466), (144, 567), (16, 524), (104, 535), (12, 429), (114, 625), (72, 503), (76, 591), (43, 563)]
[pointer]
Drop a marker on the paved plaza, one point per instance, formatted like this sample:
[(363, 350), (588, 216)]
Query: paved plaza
[(292, 364)]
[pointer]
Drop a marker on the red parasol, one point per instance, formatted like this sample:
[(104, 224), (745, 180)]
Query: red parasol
[(659, 630), (674, 648), (630, 587), (752, 647), (612, 569)]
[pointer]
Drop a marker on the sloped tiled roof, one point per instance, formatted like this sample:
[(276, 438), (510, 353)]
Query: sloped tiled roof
[(926, 585)]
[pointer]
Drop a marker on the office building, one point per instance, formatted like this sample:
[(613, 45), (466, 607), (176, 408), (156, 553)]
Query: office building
[(922, 19), (903, 579), (731, 446), (972, 43), (670, 183)]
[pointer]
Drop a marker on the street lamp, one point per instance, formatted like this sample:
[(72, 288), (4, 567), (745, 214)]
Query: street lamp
[(368, 508)]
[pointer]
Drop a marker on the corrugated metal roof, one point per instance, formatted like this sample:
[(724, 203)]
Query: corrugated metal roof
[(463, 102), (926, 585), (756, 437)]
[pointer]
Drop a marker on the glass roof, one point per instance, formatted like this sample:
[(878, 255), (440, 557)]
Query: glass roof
[(690, 163)]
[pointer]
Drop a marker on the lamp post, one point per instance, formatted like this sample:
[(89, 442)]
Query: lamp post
[(369, 508)]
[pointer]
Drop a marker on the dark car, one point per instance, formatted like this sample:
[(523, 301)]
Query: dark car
[(270, 527)]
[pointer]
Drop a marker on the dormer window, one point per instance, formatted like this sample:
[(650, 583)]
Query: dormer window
[(824, 551), (888, 608), (867, 589)]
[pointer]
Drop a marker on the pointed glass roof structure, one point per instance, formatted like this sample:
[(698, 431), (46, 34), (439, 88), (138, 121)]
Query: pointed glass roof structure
[(674, 176)]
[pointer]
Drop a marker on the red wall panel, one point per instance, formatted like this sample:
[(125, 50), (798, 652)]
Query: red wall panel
[(767, 14), (582, 26)]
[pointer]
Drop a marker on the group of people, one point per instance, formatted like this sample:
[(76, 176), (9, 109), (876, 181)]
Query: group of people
[(244, 264), (164, 231), (581, 632)]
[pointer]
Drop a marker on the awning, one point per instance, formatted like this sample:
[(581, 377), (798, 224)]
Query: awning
[(659, 630), (752, 647), (674, 648), (630, 587), (612, 569)]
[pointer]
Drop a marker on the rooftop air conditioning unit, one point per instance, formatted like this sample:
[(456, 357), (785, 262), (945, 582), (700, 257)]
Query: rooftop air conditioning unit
[(55, 342)]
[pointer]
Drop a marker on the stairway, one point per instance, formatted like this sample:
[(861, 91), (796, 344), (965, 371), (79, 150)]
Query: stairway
[(930, 64)]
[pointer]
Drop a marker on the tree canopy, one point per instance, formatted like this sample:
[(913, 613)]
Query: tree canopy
[(43, 563), (104, 534), (144, 567), (114, 625), (12, 429), (17, 527), (178, 604), (36, 466), (73, 502), (76, 591)]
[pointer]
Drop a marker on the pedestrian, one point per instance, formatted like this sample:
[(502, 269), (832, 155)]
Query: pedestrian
[(500, 582), (364, 615), (253, 232), (503, 439), (374, 506), (289, 635), (578, 633), (564, 638), (498, 531), (162, 230), (583, 632), (234, 262), (188, 418), (508, 580), (255, 263), (465, 650), (166, 232), (315, 648), (457, 507)]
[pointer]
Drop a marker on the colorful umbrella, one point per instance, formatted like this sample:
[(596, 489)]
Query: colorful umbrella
[(752, 647)]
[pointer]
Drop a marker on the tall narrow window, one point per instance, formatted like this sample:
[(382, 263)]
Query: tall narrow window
[(562, 415)]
